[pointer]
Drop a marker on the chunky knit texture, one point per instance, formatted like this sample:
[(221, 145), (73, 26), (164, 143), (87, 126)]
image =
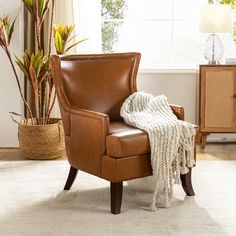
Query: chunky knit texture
[(171, 140)]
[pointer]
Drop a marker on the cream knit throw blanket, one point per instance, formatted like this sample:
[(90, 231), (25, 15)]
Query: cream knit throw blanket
[(171, 140)]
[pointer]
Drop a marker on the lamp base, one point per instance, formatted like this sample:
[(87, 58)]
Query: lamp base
[(214, 62), (213, 51)]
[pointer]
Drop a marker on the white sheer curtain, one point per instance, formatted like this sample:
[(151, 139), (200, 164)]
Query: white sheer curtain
[(87, 20), (64, 14), (86, 16)]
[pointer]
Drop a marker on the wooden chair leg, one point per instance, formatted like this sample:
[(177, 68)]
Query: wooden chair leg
[(71, 177), (116, 190), (187, 183)]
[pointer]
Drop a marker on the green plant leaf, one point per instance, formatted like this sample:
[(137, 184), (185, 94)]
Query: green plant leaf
[(42, 75), (22, 67), (29, 6), (11, 31), (38, 63), (58, 43), (6, 23), (72, 37), (3, 36), (41, 5), (32, 74), (32, 59), (26, 58), (75, 44), (14, 113), (36, 9), (45, 9)]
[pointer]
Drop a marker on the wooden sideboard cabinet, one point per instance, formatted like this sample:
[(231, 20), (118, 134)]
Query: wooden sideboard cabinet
[(217, 107)]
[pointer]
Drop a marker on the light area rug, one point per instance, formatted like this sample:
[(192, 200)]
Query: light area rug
[(32, 203)]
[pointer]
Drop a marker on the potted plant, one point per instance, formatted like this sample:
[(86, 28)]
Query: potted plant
[(62, 38), (40, 136)]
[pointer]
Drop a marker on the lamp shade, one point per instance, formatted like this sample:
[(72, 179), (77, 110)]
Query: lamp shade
[(216, 19)]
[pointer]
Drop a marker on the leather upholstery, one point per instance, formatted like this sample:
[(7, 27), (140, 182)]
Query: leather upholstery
[(87, 140), (91, 90), (112, 77), (178, 111), (126, 141), (122, 169)]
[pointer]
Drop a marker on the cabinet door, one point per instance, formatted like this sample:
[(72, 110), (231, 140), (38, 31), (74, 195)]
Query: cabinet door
[(217, 99)]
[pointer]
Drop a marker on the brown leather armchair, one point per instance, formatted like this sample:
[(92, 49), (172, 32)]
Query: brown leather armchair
[(91, 90)]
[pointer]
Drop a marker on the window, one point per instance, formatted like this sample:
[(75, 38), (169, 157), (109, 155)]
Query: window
[(164, 31), (112, 15)]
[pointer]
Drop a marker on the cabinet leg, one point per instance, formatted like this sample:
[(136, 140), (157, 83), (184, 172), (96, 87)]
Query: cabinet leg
[(203, 142)]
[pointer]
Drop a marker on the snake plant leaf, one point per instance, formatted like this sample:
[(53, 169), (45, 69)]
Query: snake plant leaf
[(75, 44)]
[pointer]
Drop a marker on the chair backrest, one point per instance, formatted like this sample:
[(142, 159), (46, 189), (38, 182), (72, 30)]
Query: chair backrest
[(99, 82)]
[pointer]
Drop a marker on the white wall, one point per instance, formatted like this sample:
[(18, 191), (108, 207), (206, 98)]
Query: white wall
[(9, 95), (179, 88)]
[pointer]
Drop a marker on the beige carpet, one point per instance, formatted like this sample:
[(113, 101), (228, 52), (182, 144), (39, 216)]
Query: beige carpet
[(32, 203)]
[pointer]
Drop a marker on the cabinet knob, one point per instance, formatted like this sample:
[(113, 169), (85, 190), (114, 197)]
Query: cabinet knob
[(234, 96)]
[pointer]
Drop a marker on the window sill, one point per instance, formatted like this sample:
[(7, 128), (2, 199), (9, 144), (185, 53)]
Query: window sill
[(168, 70)]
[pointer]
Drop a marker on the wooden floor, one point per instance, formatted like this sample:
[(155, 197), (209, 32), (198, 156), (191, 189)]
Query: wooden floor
[(217, 152), (211, 152)]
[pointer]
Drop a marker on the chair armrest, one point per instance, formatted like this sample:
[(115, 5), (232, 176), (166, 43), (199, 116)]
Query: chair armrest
[(90, 123), (88, 131), (178, 111), (89, 114)]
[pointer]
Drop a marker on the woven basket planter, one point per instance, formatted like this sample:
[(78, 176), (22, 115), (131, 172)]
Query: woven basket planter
[(41, 142)]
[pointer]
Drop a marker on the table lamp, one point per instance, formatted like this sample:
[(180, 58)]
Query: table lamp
[(215, 19)]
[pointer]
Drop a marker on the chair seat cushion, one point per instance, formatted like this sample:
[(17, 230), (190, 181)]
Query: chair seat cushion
[(124, 141)]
